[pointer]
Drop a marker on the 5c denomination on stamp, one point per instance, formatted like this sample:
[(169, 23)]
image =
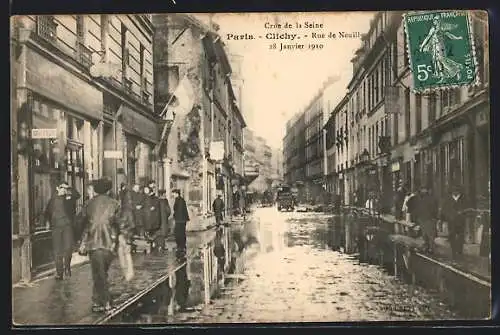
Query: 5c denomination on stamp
[(441, 50)]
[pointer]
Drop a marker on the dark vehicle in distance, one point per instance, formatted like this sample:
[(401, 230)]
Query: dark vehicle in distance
[(285, 199), (267, 199)]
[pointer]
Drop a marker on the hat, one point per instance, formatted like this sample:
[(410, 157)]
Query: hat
[(102, 186), (162, 192)]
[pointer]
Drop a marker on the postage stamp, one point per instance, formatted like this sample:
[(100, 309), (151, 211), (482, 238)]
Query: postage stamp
[(440, 46)]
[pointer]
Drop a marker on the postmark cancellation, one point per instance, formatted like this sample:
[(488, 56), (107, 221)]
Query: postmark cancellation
[(441, 50)]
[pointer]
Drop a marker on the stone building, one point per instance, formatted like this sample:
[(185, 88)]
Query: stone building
[(186, 48), (314, 148), (294, 154), (388, 135), (83, 105)]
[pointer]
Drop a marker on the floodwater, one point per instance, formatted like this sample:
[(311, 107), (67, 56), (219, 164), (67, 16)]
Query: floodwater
[(293, 273)]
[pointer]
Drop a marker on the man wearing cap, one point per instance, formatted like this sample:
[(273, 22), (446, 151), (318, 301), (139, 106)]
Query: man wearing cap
[(100, 238), (426, 214), (57, 213), (181, 217), (218, 208)]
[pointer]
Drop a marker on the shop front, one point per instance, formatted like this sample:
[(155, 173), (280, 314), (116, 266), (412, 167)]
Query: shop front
[(61, 143), (140, 135)]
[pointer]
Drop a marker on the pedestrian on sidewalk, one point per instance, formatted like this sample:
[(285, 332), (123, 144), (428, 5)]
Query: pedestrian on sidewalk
[(409, 206), (426, 214), (454, 212), (60, 215), (218, 207), (165, 212), (72, 197), (137, 203), (181, 217), (399, 200), (100, 240), (151, 215)]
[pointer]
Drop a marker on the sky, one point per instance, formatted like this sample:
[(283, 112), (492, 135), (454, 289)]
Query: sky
[(278, 84)]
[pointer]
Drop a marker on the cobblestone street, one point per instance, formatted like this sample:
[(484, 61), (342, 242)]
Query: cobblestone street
[(292, 276)]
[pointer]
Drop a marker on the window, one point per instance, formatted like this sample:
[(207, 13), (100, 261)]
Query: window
[(405, 51), (377, 88), (407, 113), (125, 51), (432, 108), (418, 112), (449, 98), (47, 27), (395, 60), (173, 78), (80, 29), (370, 139)]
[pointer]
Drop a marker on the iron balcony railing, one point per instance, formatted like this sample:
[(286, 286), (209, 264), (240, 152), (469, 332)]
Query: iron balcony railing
[(46, 28), (84, 55)]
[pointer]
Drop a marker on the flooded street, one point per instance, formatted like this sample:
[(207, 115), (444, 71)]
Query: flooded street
[(292, 274)]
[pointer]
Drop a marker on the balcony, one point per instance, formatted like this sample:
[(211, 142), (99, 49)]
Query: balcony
[(46, 28), (83, 55)]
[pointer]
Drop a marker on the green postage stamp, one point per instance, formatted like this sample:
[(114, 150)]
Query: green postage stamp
[(441, 49)]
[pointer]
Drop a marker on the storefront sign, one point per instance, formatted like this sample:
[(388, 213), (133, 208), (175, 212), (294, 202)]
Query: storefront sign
[(59, 84), (113, 154), (37, 134), (217, 150), (395, 167), (139, 125)]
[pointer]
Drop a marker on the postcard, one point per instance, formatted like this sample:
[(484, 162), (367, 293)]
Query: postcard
[(223, 168)]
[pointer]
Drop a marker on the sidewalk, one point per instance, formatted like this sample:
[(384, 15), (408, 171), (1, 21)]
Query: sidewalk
[(68, 302), (471, 262)]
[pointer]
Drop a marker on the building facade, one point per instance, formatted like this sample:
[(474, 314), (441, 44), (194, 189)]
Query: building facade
[(387, 136), (83, 106), (294, 155), (187, 49), (314, 149)]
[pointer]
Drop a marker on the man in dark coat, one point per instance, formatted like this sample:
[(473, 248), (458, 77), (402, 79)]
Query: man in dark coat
[(454, 212), (100, 240), (165, 212), (137, 202), (151, 215), (60, 215), (399, 199), (181, 217), (218, 207), (72, 197), (426, 213)]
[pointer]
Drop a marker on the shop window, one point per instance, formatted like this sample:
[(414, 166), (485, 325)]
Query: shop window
[(46, 161), (132, 157)]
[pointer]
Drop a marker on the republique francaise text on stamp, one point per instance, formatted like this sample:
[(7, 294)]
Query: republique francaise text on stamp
[(440, 50)]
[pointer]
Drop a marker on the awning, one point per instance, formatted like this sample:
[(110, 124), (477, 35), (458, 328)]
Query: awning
[(248, 179), (139, 125), (179, 173)]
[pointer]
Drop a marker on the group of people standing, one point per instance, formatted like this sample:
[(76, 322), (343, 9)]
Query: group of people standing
[(104, 224), (422, 208)]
